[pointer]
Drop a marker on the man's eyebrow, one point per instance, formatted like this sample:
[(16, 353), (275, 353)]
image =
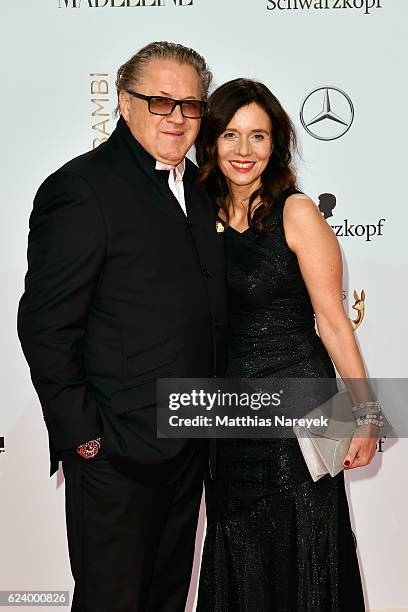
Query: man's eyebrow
[(165, 93)]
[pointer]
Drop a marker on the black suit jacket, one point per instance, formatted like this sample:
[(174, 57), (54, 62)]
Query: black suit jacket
[(121, 288)]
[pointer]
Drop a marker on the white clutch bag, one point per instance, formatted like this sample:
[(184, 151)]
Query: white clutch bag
[(324, 448)]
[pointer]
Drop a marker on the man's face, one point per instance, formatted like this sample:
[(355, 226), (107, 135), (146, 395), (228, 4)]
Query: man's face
[(166, 138)]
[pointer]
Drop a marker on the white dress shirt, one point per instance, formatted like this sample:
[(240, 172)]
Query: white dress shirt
[(175, 181)]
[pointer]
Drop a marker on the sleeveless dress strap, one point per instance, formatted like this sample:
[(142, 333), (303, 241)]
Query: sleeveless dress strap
[(276, 215), (286, 194)]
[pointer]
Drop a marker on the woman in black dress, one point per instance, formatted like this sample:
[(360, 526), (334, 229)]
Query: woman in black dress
[(276, 540)]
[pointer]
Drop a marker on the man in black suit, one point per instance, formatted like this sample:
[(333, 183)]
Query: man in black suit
[(125, 284)]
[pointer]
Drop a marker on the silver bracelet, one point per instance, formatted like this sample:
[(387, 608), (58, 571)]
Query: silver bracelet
[(364, 406), (373, 419), (367, 413)]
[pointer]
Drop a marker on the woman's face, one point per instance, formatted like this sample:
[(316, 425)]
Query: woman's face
[(245, 146)]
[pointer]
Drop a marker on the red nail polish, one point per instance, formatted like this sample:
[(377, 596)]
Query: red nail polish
[(347, 463)]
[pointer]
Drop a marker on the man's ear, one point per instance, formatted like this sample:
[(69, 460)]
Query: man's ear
[(124, 104)]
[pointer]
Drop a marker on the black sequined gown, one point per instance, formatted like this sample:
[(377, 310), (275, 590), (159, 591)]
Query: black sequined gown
[(276, 541)]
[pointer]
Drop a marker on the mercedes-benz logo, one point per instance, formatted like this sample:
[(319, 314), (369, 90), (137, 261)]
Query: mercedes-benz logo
[(318, 118)]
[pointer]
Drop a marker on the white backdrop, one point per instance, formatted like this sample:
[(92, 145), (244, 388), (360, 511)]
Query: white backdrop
[(49, 52)]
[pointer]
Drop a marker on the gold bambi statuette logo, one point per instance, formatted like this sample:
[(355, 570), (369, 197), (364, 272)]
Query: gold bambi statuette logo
[(358, 305)]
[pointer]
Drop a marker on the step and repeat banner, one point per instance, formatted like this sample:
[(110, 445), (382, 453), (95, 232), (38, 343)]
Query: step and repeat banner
[(337, 67)]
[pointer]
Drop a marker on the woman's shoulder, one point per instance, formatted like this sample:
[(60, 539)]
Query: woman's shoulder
[(287, 196), (298, 206), (295, 198), (303, 223), (294, 209)]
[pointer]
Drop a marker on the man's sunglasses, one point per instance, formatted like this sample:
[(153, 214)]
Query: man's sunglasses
[(158, 105)]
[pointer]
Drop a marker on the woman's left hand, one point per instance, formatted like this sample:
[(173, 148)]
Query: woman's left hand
[(362, 448)]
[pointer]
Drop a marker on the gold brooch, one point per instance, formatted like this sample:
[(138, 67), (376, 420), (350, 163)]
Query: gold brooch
[(219, 227)]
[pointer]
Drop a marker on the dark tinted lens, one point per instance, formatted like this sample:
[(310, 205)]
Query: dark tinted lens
[(193, 108), (161, 106)]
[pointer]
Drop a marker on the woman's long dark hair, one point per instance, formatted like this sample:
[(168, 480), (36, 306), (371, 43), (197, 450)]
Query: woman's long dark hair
[(278, 175)]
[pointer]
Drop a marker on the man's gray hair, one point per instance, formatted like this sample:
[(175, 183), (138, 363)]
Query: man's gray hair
[(131, 72)]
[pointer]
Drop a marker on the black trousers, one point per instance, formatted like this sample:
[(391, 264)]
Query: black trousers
[(130, 537)]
